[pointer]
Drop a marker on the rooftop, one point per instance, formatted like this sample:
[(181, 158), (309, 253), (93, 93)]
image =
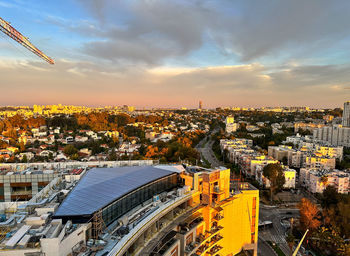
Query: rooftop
[(101, 186)]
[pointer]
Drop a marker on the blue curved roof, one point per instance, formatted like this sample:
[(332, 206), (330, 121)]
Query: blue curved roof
[(101, 186)]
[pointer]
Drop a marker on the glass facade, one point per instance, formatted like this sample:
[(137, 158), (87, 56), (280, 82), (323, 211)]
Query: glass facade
[(118, 208)]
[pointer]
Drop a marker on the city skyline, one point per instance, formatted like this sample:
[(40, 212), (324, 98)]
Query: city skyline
[(173, 54)]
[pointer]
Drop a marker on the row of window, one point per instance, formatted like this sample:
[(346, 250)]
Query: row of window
[(137, 197)]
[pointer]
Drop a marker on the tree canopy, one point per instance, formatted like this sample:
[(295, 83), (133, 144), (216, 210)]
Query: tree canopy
[(274, 173)]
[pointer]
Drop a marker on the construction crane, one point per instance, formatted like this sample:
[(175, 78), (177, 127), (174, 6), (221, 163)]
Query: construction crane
[(10, 31)]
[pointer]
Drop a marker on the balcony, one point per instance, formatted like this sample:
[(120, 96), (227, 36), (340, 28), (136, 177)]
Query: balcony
[(216, 238), (215, 249), (192, 247), (214, 230), (190, 224), (218, 216), (217, 190), (208, 246), (165, 243)]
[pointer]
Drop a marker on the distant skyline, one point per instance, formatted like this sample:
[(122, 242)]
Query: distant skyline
[(155, 53)]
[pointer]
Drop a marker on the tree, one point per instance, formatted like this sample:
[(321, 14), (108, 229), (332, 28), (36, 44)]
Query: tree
[(285, 160), (329, 197), (24, 159), (276, 177), (309, 215), (112, 155), (70, 150), (290, 240)]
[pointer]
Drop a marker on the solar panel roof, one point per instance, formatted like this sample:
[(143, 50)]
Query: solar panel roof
[(101, 186)]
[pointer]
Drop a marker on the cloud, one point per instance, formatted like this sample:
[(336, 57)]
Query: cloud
[(88, 83), (153, 31), (148, 32)]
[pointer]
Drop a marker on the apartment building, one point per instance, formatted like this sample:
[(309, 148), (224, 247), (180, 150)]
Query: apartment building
[(231, 126), (335, 135), (316, 180)]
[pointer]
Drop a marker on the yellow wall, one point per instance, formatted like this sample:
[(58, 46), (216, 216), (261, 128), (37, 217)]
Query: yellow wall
[(238, 224)]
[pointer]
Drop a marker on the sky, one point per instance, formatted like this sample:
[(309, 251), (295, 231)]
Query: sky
[(154, 53)]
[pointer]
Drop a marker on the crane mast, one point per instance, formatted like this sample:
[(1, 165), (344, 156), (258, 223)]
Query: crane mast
[(10, 31)]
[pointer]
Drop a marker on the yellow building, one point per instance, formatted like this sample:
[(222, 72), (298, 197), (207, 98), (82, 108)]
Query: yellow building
[(230, 218)]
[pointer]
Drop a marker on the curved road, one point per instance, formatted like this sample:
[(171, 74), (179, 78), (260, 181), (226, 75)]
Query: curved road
[(205, 149)]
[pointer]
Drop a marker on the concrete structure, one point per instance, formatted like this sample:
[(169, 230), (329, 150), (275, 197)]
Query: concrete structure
[(290, 177), (316, 180), (307, 126), (346, 114), (23, 186), (231, 126), (335, 135), (279, 152), (319, 162), (310, 155), (73, 165), (289, 174)]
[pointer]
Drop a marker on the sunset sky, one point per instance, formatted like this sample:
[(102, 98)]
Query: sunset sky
[(174, 53)]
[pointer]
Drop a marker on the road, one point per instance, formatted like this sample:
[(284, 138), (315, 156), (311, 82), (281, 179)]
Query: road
[(277, 234), (265, 249), (205, 149)]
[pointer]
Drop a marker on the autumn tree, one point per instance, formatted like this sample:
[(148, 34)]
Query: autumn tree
[(274, 173), (309, 215)]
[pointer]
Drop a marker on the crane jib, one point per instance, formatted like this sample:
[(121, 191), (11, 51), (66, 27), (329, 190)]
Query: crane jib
[(10, 31)]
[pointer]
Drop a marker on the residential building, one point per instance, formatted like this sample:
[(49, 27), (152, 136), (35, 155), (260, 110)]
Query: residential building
[(316, 180), (321, 162), (231, 126), (346, 114), (335, 135)]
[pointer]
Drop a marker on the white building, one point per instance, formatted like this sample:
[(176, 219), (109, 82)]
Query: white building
[(316, 180), (231, 126)]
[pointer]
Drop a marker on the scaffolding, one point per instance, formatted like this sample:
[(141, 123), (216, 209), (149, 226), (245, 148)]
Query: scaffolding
[(98, 224), (3, 232)]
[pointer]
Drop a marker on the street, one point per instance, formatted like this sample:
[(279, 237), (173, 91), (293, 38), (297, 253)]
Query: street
[(205, 149), (277, 233)]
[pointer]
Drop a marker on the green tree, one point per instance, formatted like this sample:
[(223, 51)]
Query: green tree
[(70, 150), (24, 159), (329, 197), (276, 177), (112, 155)]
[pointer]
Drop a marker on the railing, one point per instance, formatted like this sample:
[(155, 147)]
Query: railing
[(215, 249), (218, 217)]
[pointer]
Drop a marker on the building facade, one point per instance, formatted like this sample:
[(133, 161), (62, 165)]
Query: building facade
[(346, 114)]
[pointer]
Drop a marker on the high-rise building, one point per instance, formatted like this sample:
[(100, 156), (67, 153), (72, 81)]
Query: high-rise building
[(346, 114), (200, 104), (335, 135)]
